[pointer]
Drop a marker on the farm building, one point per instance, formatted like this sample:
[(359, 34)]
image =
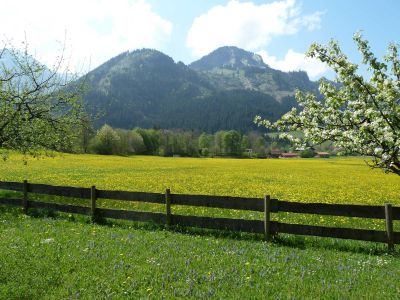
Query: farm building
[(322, 154)]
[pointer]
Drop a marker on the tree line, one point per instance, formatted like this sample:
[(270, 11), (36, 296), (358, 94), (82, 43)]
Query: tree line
[(167, 142)]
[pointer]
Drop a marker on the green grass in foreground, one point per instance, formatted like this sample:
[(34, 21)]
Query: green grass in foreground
[(69, 259)]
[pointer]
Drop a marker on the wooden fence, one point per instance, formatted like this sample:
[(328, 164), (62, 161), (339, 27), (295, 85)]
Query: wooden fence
[(266, 205)]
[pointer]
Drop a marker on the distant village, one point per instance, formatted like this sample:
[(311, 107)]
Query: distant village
[(281, 154)]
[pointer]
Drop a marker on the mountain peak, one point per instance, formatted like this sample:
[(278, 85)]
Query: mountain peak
[(147, 53), (229, 57)]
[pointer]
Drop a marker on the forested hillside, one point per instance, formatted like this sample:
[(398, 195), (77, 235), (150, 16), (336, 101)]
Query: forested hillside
[(223, 90)]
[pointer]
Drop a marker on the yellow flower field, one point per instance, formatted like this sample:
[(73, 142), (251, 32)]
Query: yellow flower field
[(337, 180)]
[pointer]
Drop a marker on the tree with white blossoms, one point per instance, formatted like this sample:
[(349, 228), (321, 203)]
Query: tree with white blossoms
[(359, 115)]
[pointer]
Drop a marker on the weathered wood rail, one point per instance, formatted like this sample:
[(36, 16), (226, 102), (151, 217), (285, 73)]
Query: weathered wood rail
[(266, 205)]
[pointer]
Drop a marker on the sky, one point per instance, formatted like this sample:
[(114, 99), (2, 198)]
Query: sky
[(281, 31)]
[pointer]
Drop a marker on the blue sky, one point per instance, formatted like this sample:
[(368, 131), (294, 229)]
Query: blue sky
[(281, 30)]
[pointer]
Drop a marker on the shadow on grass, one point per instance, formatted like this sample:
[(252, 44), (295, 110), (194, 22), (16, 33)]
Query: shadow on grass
[(292, 241), (352, 246)]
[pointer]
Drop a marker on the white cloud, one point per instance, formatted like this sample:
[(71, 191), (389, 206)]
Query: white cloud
[(247, 25), (294, 61), (95, 29)]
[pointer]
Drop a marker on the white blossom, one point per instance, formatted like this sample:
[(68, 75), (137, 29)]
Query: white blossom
[(359, 115)]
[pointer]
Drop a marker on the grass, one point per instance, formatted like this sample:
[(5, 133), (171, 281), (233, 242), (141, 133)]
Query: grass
[(67, 257)]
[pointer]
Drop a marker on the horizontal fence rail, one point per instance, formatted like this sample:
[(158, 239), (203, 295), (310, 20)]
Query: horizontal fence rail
[(239, 203), (131, 196), (266, 205), (340, 210)]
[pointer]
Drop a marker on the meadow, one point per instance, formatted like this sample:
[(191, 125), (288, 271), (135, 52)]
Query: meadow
[(324, 180), (339, 180), (68, 257)]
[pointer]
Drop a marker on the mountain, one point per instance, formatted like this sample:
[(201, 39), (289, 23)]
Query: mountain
[(229, 57), (235, 68), (223, 90), (138, 88), (6, 59), (16, 62)]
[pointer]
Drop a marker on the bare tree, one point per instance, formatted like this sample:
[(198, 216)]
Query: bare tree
[(40, 107)]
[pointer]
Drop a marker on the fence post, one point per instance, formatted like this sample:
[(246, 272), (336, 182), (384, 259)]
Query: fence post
[(389, 226), (25, 198), (93, 198), (168, 206), (267, 218)]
